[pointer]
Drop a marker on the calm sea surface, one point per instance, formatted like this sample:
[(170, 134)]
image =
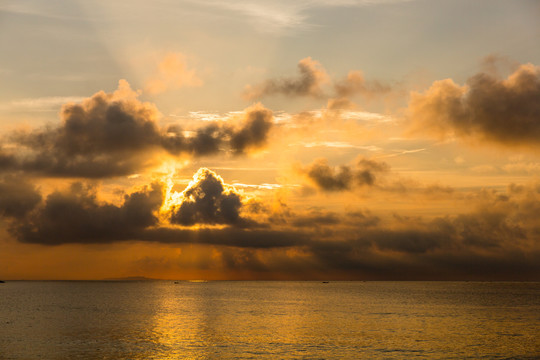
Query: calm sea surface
[(269, 320)]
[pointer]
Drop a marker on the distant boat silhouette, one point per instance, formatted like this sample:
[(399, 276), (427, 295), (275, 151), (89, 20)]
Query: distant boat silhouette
[(1, 281), (325, 282)]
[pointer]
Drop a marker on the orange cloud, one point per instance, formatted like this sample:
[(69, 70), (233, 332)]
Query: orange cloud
[(355, 83), (327, 178), (172, 73)]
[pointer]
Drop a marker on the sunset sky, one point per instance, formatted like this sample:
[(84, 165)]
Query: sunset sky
[(244, 139)]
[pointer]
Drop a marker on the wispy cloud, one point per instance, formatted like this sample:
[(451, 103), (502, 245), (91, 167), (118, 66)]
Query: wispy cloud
[(279, 16), (48, 103), (338, 144)]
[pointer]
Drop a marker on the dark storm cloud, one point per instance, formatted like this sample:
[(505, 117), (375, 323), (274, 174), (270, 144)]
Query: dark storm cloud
[(496, 240), (7, 160), (468, 246), (76, 216), (309, 82), (407, 241), (344, 177), (116, 134), (207, 200), (506, 111)]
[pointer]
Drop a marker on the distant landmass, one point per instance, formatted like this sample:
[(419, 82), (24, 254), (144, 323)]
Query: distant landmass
[(130, 278)]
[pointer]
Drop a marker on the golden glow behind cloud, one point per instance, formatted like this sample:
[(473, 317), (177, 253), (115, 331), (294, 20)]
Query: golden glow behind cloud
[(380, 152)]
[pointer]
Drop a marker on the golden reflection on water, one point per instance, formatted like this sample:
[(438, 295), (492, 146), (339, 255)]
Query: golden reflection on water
[(290, 320)]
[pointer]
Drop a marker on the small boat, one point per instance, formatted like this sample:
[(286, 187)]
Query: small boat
[(325, 282), (1, 281)]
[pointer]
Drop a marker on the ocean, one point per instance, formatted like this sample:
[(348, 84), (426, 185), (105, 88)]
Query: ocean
[(269, 320)]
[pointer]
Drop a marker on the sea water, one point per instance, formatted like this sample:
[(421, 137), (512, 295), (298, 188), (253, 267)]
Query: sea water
[(268, 320)]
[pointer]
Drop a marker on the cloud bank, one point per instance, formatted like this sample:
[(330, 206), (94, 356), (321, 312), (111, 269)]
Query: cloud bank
[(496, 239)]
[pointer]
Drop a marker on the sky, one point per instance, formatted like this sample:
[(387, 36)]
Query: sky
[(271, 140)]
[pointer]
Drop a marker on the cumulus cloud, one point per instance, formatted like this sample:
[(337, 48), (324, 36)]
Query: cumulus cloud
[(344, 177), (309, 82), (207, 200), (111, 134), (504, 111), (172, 73), (106, 134)]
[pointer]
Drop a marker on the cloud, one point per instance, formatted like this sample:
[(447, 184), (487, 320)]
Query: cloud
[(241, 134), (278, 16), (497, 239), (50, 103), (207, 200), (105, 135), (309, 82), (254, 131), (320, 218), (17, 197), (355, 83), (503, 111), (76, 216), (172, 73), (112, 134), (344, 177)]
